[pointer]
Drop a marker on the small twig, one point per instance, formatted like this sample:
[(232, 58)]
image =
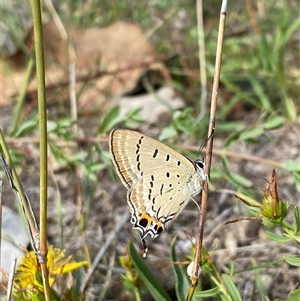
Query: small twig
[(108, 279), (202, 62), (218, 224), (101, 252), (240, 156), (263, 248), (253, 16), (10, 279), (29, 217), (220, 152), (1, 189), (208, 158), (18, 107), (57, 20)]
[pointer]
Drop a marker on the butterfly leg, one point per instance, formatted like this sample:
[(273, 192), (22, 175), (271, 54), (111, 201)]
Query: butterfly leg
[(196, 204)]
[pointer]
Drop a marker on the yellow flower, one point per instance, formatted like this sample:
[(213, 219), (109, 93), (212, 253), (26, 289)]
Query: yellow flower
[(29, 278)]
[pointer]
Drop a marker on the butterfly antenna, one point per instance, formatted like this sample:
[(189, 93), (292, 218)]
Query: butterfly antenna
[(205, 142)]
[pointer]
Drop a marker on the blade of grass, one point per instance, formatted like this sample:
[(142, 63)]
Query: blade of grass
[(152, 284), (182, 284)]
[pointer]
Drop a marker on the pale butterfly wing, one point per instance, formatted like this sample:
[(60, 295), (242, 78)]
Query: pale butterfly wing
[(162, 202), (160, 181)]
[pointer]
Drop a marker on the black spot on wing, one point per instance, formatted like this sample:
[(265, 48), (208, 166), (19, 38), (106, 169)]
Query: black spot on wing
[(155, 153), (157, 229), (143, 222), (141, 139), (137, 152), (138, 166), (161, 189)]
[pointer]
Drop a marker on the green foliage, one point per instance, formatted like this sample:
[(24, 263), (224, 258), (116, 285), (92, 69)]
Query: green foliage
[(273, 213), (181, 280), (294, 296), (26, 128), (113, 118), (257, 72), (183, 122), (62, 131), (293, 260), (231, 289), (131, 280), (154, 287), (224, 289)]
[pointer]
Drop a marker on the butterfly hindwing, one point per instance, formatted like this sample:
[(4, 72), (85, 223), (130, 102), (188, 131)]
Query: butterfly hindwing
[(160, 181)]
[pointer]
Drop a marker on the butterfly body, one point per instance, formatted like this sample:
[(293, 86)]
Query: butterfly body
[(160, 181)]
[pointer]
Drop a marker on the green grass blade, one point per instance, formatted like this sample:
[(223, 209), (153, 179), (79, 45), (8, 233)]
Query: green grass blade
[(110, 119), (231, 288), (182, 283), (276, 237), (293, 260), (297, 219), (208, 293), (154, 287), (294, 296)]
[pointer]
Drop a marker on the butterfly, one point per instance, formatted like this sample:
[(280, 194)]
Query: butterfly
[(159, 180)]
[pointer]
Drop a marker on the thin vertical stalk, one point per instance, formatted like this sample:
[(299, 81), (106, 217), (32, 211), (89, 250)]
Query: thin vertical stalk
[(208, 158), (202, 62), (40, 72)]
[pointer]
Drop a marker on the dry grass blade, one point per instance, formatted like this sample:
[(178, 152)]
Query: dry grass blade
[(102, 251), (10, 280), (197, 260), (15, 184)]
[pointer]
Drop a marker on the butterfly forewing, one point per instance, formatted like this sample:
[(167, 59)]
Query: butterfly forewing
[(122, 152), (134, 154)]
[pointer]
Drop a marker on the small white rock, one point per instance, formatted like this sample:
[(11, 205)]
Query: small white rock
[(13, 235)]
